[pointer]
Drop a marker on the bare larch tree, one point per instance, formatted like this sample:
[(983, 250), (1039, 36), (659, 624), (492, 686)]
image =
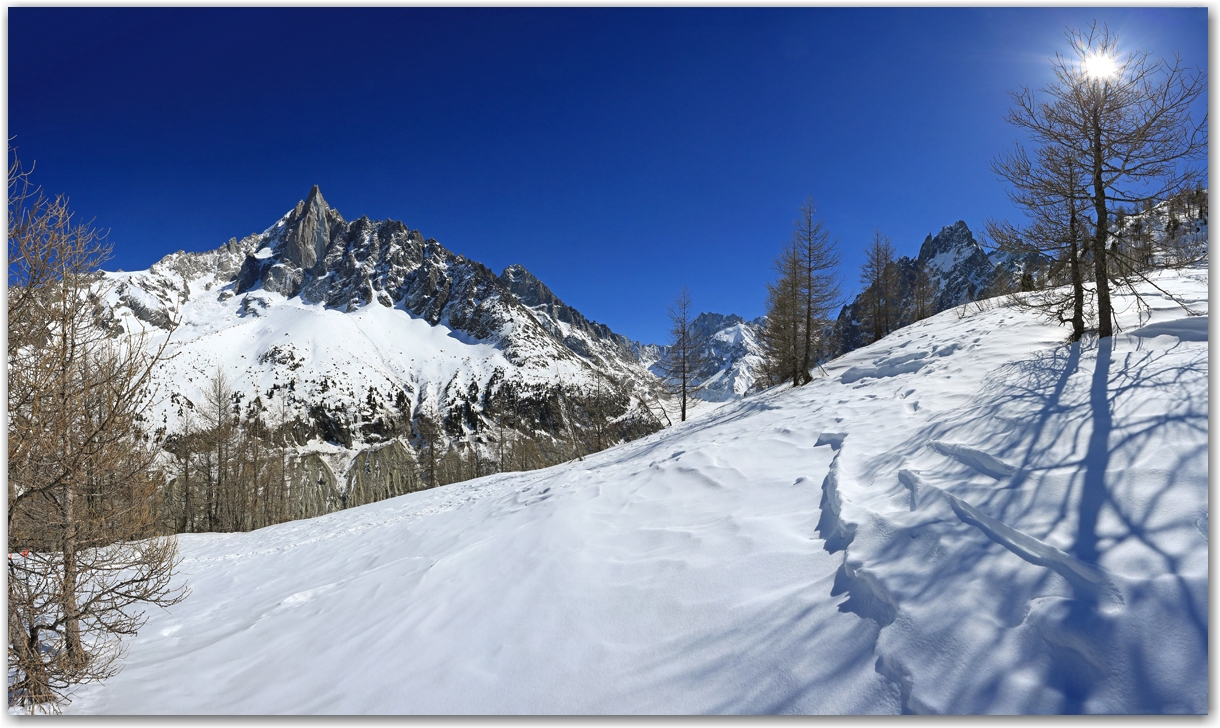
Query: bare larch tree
[(87, 553), (1125, 121), (684, 356)]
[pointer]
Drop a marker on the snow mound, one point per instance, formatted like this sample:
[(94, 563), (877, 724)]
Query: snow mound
[(886, 367), (1185, 329)]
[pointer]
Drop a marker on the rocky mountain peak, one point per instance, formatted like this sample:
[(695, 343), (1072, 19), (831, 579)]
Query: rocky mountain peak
[(307, 232), (708, 323), (949, 244), (526, 287)]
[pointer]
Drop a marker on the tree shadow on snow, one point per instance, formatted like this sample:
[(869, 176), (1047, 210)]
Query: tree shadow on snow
[(1071, 421)]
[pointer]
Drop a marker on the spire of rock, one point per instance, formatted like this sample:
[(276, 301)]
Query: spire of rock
[(308, 231)]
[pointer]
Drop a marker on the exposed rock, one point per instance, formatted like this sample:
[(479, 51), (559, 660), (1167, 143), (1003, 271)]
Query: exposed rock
[(381, 472), (535, 294), (958, 271), (317, 491), (282, 279), (149, 314), (957, 265), (308, 232), (250, 275)]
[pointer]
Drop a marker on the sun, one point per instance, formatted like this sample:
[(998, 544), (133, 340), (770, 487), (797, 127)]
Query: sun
[(1100, 66)]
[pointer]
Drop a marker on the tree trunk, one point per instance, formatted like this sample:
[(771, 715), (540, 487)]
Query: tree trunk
[(1077, 276), (1104, 315), (72, 641)]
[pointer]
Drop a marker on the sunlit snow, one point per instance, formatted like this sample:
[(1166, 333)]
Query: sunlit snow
[(967, 516)]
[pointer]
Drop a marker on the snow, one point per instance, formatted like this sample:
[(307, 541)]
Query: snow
[(336, 356), (1184, 329), (1015, 525), (946, 261)]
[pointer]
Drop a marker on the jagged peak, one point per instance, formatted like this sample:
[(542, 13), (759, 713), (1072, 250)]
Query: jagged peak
[(950, 237), (526, 286), (516, 271), (315, 198)]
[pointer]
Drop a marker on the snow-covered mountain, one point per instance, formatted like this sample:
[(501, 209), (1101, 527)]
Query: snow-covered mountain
[(731, 352), (959, 268), (360, 326), (968, 516), (353, 330), (1171, 231)]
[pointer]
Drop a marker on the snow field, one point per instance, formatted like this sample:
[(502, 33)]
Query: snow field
[(1015, 525)]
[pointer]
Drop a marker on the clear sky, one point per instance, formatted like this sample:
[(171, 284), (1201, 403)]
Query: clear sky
[(617, 153)]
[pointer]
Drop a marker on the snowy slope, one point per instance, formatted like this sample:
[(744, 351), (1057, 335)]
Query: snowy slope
[(967, 516)]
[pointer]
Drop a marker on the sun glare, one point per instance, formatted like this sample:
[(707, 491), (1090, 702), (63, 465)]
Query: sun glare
[(1100, 66)]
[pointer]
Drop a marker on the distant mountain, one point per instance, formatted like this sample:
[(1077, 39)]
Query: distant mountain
[(957, 269), (732, 355)]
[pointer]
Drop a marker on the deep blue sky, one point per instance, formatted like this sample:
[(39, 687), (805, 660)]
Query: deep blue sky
[(616, 153)]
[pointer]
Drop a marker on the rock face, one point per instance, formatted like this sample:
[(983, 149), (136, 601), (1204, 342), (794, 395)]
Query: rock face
[(959, 268), (309, 232), (566, 323), (316, 488), (381, 472)]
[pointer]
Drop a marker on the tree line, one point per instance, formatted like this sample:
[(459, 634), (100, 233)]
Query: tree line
[(239, 468)]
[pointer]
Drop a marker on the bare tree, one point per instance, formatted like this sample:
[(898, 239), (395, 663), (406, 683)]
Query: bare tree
[(429, 439), (922, 294), (684, 356), (819, 284), (782, 334), (218, 454), (800, 300), (879, 276), (87, 550), (1050, 189), (1127, 120)]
